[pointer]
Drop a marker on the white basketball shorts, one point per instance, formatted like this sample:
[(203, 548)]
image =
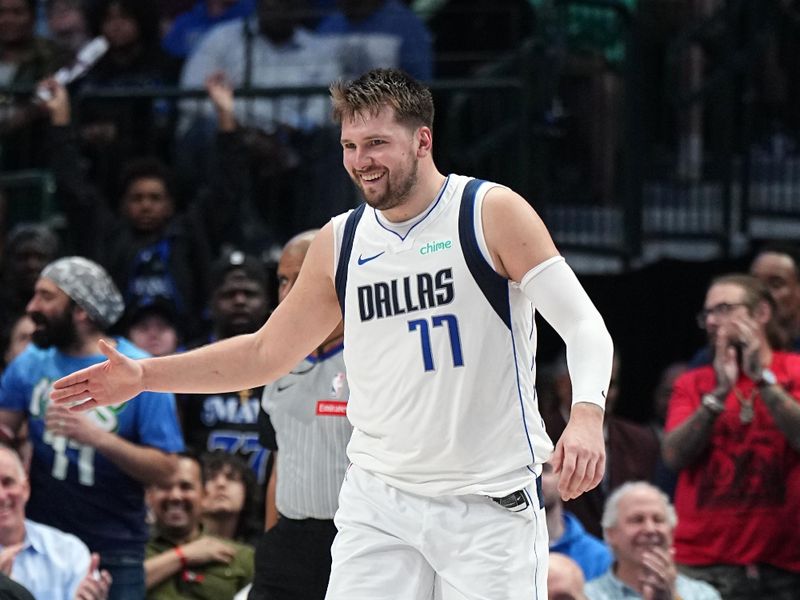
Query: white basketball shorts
[(394, 545)]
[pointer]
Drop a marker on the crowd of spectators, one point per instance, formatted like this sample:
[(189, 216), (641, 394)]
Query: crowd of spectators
[(172, 211), (727, 452)]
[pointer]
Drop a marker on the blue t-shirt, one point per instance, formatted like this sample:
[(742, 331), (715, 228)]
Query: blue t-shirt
[(188, 28), (73, 488), (393, 17), (593, 556)]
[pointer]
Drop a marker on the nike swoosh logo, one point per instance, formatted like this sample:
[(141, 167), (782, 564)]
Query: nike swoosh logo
[(362, 260), (285, 387)]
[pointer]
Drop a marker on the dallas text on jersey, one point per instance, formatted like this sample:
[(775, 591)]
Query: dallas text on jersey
[(410, 294)]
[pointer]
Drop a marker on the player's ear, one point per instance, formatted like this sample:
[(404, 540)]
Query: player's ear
[(424, 141)]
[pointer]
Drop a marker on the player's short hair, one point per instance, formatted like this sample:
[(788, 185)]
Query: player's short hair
[(611, 509), (374, 90)]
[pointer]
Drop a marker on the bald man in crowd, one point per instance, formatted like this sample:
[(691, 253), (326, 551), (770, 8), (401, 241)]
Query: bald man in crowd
[(564, 578)]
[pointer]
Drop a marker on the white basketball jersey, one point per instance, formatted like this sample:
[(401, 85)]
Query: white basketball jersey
[(439, 350)]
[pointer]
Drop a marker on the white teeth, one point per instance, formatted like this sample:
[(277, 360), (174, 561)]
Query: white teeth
[(371, 176)]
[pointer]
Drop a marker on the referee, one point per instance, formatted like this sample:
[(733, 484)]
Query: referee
[(303, 414)]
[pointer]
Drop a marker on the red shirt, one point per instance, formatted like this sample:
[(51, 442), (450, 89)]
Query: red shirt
[(739, 503)]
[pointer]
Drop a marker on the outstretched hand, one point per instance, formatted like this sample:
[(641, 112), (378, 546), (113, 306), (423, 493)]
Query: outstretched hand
[(110, 382), (580, 454)]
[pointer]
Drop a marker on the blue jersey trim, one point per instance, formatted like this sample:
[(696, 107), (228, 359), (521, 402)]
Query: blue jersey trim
[(327, 354), (344, 253), (521, 401), (493, 286), (425, 216)]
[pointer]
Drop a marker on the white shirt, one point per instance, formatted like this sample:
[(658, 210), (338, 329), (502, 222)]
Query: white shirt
[(305, 60), (51, 563)]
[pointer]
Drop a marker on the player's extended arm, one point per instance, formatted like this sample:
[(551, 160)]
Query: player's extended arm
[(523, 251), (303, 320)]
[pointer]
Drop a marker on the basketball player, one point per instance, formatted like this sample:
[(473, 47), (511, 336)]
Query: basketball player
[(437, 278)]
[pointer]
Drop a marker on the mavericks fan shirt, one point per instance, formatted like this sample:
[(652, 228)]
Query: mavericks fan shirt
[(73, 487)]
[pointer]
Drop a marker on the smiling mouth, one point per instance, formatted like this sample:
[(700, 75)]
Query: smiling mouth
[(370, 177)]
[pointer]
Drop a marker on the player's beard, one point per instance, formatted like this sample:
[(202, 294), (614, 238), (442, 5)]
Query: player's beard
[(58, 331), (397, 190)]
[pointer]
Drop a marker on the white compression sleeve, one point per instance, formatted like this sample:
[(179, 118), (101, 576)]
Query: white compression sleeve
[(559, 297)]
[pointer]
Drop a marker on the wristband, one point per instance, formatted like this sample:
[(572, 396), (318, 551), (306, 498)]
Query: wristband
[(713, 404), (179, 551), (767, 379)]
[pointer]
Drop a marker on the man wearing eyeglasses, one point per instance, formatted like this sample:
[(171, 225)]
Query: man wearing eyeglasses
[(777, 266), (733, 434)]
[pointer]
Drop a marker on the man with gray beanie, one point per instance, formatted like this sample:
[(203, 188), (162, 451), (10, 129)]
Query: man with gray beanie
[(88, 471)]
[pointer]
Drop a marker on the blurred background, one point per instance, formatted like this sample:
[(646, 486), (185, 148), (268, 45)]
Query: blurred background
[(658, 139)]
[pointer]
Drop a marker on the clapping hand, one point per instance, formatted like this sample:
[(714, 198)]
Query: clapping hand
[(95, 584), (659, 574)]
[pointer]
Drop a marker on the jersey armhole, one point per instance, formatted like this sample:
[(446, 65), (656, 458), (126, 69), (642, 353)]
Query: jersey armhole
[(478, 221), (338, 223)]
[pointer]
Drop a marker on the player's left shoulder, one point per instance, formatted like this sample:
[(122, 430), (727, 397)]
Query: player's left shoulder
[(501, 197), (507, 212), (515, 235)]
